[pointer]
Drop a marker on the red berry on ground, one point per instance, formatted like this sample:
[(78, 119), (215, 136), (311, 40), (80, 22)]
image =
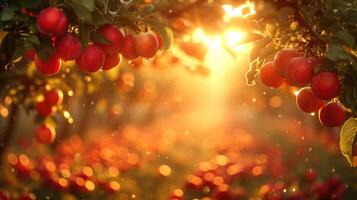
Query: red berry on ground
[(53, 97), (4, 195), (282, 58), (310, 175), (50, 66), (334, 182), (116, 38), (68, 47), (326, 85), (91, 59), (44, 109), (269, 75), (332, 115), (45, 134), (111, 61), (307, 101), (30, 54), (146, 45), (27, 197), (129, 51), (320, 189), (52, 22), (299, 71)]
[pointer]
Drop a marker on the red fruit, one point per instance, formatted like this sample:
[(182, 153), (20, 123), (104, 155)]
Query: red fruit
[(129, 51), (91, 59), (222, 195), (269, 75), (321, 190), (52, 22), (115, 36), (68, 47), (310, 175), (159, 40), (44, 109), (299, 71), (30, 54), (111, 61), (307, 101), (4, 195), (50, 66), (53, 97), (111, 187), (27, 197), (45, 134), (296, 196), (332, 115), (146, 45), (282, 58), (326, 85), (334, 182)]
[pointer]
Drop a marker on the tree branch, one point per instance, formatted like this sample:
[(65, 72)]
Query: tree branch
[(8, 132)]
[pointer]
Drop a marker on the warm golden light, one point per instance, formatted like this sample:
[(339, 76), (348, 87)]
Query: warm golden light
[(165, 170), (233, 37), (230, 38), (244, 10)]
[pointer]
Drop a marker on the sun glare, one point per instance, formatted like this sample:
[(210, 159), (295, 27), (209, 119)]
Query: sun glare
[(230, 38), (244, 10)]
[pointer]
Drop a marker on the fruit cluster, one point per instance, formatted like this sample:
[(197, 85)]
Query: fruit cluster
[(292, 68), (104, 53)]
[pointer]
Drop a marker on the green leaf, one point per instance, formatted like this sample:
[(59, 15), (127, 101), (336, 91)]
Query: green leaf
[(258, 45), (147, 10), (347, 136), (34, 40), (345, 37), (46, 49), (100, 20), (164, 31), (8, 13), (97, 37), (267, 51), (252, 72), (28, 3), (335, 52), (16, 56), (349, 16), (81, 11), (90, 4)]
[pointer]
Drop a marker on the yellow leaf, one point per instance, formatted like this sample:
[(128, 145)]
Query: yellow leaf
[(347, 136)]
